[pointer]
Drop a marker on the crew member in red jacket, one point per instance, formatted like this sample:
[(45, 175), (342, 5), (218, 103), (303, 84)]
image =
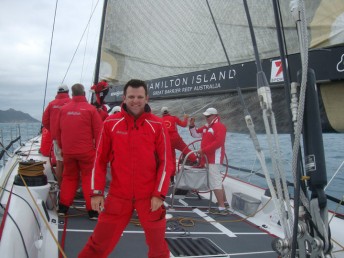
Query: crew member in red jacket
[(137, 144), (101, 89), (102, 110), (77, 134), (213, 136), (177, 143), (49, 121)]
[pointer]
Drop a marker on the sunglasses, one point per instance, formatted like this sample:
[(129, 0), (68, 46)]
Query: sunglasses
[(208, 116)]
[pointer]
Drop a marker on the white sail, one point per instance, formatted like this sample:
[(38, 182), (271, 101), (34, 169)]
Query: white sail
[(152, 39)]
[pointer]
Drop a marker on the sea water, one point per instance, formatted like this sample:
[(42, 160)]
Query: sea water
[(240, 153), (11, 131)]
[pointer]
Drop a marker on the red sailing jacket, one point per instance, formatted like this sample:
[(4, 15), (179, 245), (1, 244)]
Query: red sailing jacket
[(103, 112), (50, 115), (171, 123), (213, 140), (79, 127), (140, 155)]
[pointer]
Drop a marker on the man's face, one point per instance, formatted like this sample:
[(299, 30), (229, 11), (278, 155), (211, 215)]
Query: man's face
[(135, 99), (209, 118)]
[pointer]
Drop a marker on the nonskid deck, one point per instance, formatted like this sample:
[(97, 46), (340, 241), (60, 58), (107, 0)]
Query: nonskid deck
[(190, 220)]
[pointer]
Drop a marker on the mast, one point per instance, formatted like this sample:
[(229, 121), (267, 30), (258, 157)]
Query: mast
[(99, 52)]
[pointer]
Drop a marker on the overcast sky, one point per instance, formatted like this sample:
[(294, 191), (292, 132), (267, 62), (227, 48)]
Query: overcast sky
[(25, 35)]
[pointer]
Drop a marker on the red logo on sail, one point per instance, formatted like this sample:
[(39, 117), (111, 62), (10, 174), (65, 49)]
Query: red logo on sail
[(276, 71)]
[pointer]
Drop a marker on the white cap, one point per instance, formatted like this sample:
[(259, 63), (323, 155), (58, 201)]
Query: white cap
[(210, 111), (62, 88), (115, 109), (164, 110)]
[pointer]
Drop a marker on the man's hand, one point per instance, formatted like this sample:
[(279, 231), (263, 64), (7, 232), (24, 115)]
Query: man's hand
[(186, 116), (97, 203), (156, 203), (192, 121)]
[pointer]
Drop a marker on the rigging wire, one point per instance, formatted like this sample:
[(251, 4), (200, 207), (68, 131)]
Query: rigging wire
[(83, 60), (299, 170), (282, 202), (223, 46), (51, 46), (50, 50), (298, 12), (334, 175), (265, 95), (263, 92), (76, 50)]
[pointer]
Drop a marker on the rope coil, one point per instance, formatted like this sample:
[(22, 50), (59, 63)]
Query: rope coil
[(31, 168)]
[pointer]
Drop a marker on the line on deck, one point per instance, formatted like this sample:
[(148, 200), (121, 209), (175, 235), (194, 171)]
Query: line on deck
[(142, 232), (219, 226)]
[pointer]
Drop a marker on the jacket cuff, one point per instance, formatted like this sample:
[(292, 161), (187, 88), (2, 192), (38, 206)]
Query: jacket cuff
[(97, 193), (159, 195)]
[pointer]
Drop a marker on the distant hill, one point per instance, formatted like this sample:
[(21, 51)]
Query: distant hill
[(14, 116)]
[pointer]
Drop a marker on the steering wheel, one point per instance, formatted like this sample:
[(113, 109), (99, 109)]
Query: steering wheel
[(194, 146)]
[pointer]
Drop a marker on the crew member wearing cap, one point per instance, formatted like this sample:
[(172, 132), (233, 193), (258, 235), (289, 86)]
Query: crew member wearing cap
[(177, 142), (115, 110), (213, 135), (49, 121)]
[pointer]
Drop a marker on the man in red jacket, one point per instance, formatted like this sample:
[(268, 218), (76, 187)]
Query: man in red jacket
[(177, 142), (102, 110), (101, 89), (77, 135), (137, 144), (213, 135), (50, 120)]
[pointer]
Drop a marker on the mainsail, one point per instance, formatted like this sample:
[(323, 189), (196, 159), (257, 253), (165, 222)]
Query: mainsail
[(174, 46)]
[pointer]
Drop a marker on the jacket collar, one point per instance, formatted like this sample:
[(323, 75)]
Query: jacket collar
[(215, 120), (62, 96), (145, 114), (79, 99)]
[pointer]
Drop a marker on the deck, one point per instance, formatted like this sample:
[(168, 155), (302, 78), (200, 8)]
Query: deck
[(191, 226)]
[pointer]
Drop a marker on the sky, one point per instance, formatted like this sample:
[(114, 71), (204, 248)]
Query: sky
[(25, 36)]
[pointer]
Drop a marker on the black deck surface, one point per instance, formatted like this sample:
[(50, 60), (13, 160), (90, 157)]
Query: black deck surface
[(237, 238)]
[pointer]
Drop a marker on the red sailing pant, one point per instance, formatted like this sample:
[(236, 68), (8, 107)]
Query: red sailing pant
[(177, 143), (114, 219), (76, 165)]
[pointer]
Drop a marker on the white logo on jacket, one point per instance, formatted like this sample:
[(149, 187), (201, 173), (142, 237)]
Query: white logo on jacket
[(73, 113), (211, 130), (122, 132)]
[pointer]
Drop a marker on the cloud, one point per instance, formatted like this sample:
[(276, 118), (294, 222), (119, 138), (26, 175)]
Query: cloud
[(25, 36)]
